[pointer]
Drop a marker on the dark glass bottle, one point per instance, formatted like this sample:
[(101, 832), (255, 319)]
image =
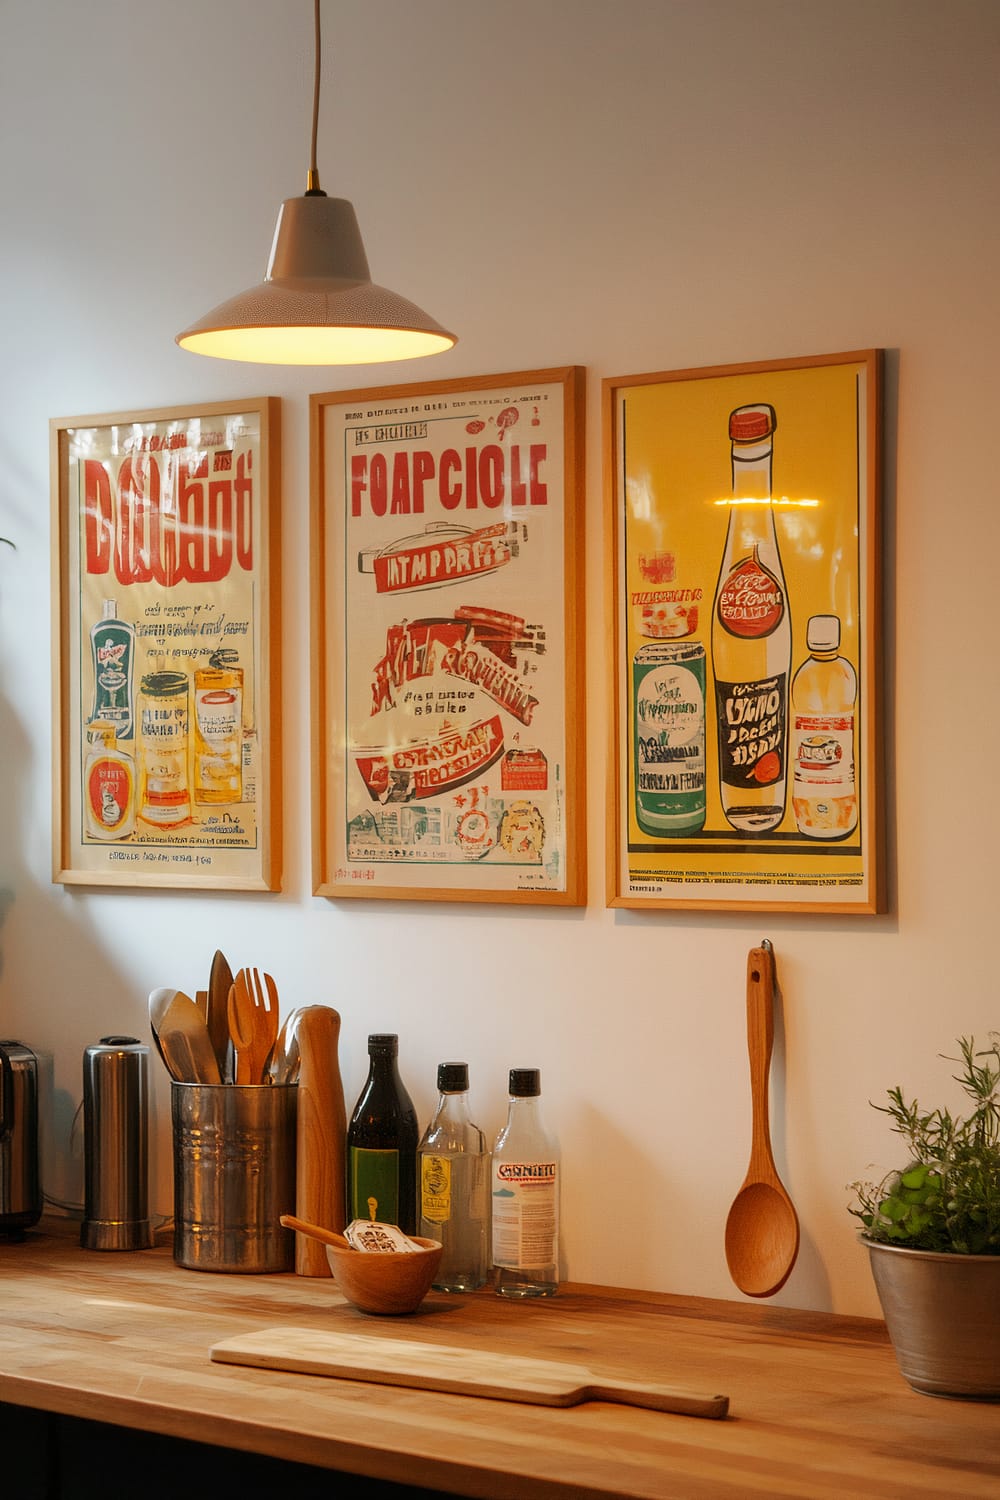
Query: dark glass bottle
[(382, 1143)]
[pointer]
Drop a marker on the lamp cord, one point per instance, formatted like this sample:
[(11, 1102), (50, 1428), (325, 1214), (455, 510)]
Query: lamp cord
[(313, 189)]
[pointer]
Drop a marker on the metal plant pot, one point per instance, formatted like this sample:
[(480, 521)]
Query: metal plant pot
[(943, 1316)]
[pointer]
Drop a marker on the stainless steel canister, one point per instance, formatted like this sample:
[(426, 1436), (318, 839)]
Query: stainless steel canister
[(234, 1175), (116, 1145)]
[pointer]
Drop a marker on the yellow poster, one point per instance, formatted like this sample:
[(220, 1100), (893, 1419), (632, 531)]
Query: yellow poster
[(746, 622)]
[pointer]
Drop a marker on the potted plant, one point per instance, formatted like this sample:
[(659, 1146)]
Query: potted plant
[(932, 1230)]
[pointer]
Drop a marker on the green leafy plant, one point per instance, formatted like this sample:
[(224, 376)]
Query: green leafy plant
[(948, 1196)]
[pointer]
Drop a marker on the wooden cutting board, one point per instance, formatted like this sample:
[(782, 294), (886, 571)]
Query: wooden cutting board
[(465, 1372)]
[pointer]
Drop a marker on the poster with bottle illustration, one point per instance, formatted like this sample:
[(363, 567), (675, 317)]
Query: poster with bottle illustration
[(745, 517), (165, 732), (448, 539)]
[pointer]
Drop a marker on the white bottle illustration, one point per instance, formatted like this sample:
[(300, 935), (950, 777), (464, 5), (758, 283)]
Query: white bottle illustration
[(824, 699)]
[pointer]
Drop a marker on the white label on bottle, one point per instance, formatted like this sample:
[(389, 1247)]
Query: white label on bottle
[(525, 1214), (824, 753)]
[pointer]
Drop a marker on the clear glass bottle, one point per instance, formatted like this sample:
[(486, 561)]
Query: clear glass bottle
[(382, 1143), (824, 698), (752, 636), (525, 1195), (452, 1165)]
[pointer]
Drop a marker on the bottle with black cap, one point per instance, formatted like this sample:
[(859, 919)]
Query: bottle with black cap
[(525, 1195), (452, 1181), (382, 1143)]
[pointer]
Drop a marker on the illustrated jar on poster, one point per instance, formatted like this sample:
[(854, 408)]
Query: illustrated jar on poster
[(165, 796), (218, 730), (668, 680)]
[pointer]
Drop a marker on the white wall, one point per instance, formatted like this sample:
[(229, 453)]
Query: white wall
[(631, 186)]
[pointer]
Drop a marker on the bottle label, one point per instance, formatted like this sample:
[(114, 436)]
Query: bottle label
[(751, 732), (824, 750), (525, 1214), (435, 1188), (374, 1185), (751, 601)]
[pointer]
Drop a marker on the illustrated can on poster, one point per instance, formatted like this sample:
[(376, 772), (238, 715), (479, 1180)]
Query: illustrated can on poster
[(166, 732), (744, 511), (669, 737), (448, 533)]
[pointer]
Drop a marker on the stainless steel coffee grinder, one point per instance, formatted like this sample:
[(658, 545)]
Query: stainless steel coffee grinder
[(20, 1179)]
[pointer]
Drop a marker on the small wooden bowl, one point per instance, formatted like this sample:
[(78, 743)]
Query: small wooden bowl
[(392, 1283)]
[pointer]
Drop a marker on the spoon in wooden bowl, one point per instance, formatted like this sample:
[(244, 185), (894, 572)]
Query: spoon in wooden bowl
[(762, 1231), (314, 1231)]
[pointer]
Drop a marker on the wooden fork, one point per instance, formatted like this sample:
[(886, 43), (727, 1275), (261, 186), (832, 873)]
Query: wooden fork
[(265, 1029)]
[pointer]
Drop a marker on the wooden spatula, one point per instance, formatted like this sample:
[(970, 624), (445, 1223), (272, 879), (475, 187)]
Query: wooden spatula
[(220, 982), (185, 1043)]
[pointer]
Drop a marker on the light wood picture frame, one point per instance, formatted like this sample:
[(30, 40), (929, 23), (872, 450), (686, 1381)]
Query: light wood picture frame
[(448, 557), (743, 525), (166, 673)]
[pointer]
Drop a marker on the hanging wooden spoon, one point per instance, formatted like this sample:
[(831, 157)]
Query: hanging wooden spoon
[(762, 1231)]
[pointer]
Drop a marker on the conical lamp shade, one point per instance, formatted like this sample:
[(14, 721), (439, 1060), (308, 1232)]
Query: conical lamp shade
[(317, 304)]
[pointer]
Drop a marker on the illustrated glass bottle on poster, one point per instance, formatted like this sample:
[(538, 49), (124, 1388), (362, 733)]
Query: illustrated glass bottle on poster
[(448, 534), (745, 523), (165, 732)]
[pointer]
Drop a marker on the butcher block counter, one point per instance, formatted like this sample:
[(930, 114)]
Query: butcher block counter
[(817, 1406)]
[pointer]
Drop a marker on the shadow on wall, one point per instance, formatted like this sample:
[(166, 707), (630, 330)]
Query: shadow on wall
[(58, 984)]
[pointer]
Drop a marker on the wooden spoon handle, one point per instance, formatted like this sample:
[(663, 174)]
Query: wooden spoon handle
[(313, 1231), (760, 1043)]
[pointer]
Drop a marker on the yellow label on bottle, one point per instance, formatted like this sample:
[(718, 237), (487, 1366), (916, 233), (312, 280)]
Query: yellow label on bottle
[(435, 1188)]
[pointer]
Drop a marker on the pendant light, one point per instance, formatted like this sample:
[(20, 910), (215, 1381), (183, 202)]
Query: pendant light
[(317, 304)]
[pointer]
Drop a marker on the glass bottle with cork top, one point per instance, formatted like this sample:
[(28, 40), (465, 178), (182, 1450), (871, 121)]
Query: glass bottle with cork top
[(752, 636), (452, 1166)]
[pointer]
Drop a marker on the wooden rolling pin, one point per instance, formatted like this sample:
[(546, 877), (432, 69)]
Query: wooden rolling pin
[(322, 1135)]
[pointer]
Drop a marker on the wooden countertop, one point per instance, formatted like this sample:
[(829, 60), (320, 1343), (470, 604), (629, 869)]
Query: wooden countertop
[(818, 1407)]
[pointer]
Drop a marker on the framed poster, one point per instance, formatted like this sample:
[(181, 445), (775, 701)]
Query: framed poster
[(448, 673), (744, 520), (165, 600)]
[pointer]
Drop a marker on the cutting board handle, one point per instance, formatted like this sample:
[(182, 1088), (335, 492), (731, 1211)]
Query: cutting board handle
[(656, 1398)]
